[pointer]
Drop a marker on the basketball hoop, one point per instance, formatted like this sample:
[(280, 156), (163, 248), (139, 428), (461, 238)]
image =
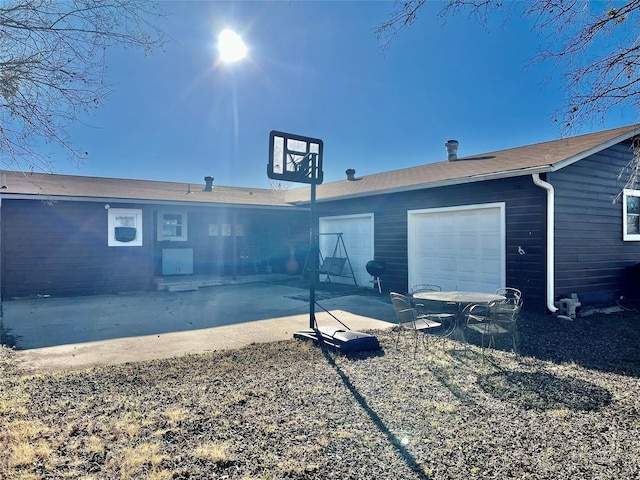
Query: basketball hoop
[(294, 158)]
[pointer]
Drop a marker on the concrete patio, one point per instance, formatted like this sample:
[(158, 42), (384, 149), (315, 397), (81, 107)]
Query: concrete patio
[(79, 332)]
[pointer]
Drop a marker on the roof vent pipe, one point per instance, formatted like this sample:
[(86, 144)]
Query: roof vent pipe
[(351, 174), (452, 149), (208, 183)]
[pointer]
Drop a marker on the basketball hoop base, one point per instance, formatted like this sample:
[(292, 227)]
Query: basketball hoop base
[(346, 341)]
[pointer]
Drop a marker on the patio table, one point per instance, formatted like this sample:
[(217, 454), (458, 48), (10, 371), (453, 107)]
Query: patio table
[(462, 300)]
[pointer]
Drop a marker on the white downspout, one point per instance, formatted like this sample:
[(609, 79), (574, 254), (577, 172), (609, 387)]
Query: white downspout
[(550, 240)]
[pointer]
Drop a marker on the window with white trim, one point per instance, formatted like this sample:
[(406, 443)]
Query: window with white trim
[(172, 226), (631, 215), (124, 227)]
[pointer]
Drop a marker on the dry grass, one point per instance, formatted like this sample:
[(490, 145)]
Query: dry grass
[(568, 408)]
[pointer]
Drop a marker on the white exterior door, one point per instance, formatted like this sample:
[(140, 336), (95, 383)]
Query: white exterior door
[(357, 233), (458, 248)]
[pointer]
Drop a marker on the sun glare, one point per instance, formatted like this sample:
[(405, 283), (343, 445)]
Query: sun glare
[(231, 46)]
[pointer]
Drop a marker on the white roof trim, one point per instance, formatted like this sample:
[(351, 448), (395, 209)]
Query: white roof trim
[(442, 183), (552, 167), (66, 198), (598, 148)]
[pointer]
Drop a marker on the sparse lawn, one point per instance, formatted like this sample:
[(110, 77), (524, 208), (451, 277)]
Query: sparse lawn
[(568, 409)]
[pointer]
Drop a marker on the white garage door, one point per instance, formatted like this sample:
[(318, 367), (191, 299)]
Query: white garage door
[(357, 233), (458, 248)]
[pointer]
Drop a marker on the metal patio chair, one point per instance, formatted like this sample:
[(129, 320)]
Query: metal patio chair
[(495, 319), (513, 295), (425, 287), (513, 300), (410, 321), (443, 312)]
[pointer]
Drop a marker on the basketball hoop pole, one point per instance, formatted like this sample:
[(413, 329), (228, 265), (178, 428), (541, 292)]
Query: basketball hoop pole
[(313, 241), (294, 158)]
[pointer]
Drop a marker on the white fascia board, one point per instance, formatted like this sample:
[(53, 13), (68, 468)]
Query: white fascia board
[(598, 148), (65, 198), (443, 183), (552, 167)]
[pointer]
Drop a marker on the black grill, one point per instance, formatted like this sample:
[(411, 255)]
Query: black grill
[(376, 268)]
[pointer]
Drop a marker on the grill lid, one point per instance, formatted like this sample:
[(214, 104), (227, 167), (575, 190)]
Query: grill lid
[(375, 268)]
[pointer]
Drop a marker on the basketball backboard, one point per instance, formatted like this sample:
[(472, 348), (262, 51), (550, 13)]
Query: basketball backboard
[(294, 158)]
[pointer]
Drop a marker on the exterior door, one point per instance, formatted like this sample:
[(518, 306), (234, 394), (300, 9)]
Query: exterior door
[(458, 248), (357, 233)]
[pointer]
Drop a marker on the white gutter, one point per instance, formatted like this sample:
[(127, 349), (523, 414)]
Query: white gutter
[(550, 239)]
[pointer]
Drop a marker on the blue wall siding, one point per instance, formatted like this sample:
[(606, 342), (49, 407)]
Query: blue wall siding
[(590, 254), (525, 227), (267, 236), (61, 249)]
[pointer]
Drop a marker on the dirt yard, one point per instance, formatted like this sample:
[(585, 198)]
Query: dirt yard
[(568, 407)]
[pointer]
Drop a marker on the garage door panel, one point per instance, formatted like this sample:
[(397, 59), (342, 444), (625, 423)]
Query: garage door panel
[(445, 264), (469, 286), (488, 266), (357, 234), (446, 241), (466, 244), (458, 249), (490, 222), (488, 246), (468, 265), (428, 264), (491, 237)]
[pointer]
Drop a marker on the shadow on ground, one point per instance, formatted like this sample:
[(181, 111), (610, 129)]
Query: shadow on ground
[(608, 342), (544, 391), (43, 322)]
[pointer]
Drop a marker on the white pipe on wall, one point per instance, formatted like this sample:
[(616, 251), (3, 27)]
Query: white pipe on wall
[(550, 240)]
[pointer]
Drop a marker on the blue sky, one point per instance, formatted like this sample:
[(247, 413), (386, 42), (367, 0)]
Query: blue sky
[(316, 69)]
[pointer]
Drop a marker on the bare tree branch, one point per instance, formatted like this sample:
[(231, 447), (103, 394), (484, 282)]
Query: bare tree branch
[(53, 69), (596, 46), (403, 16), (405, 13), (631, 172)]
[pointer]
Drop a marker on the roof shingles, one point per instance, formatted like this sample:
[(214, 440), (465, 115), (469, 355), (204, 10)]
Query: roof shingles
[(540, 157), (53, 185)]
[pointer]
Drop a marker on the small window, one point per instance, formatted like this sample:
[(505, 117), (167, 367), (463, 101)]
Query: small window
[(172, 226), (631, 215), (125, 227)]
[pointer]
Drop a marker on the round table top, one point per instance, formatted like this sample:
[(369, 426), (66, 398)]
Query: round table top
[(459, 297)]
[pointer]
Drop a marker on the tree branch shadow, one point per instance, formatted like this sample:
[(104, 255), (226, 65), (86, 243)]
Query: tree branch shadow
[(375, 418), (603, 342), (544, 391)]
